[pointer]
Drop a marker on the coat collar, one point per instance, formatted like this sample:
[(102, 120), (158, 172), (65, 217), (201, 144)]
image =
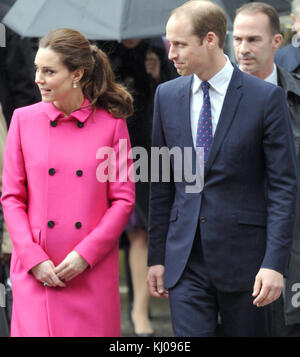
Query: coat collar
[(82, 114), (288, 82)]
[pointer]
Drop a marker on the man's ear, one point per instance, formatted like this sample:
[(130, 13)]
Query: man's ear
[(211, 40), (277, 41)]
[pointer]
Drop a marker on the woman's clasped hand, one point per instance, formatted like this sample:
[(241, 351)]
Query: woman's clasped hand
[(57, 276)]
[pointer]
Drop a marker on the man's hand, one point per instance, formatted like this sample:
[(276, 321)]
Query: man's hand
[(267, 287), (155, 281)]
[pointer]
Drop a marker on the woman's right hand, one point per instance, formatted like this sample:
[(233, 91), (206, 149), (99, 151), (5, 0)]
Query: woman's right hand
[(44, 272)]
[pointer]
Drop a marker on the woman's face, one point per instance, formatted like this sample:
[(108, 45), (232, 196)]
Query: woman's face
[(53, 78), (131, 43)]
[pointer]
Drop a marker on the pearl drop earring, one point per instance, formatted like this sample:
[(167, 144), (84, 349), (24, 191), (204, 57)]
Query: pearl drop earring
[(74, 85)]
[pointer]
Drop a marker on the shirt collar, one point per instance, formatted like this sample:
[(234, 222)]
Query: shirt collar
[(272, 78), (80, 114), (219, 81)]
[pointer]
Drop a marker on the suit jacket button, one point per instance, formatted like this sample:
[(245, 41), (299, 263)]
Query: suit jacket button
[(202, 219), (78, 225), (53, 123), (80, 124), (79, 172), (51, 224), (51, 171)]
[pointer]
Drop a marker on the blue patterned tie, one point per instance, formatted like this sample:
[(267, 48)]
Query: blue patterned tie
[(204, 131)]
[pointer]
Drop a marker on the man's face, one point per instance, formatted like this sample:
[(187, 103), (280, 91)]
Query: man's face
[(254, 44), (186, 52)]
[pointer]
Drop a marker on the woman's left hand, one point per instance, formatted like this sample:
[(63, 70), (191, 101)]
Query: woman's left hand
[(71, 266)]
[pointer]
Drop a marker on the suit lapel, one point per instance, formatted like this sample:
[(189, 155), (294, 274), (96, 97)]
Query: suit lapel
[(184, 121), (184, 124), (230, 105)]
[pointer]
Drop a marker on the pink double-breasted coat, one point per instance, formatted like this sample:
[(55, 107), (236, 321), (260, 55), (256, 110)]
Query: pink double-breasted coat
[(54, 203)]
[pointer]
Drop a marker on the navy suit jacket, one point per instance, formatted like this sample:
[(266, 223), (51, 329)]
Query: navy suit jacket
[(247, 207)]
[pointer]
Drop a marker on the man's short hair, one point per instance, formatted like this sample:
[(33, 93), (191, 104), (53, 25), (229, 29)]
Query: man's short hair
[(204, 18), (256, 7)]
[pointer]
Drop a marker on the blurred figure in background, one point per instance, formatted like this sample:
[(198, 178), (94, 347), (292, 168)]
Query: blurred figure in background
[(5, 248), (17, 87), (140, 64), (288, 57)]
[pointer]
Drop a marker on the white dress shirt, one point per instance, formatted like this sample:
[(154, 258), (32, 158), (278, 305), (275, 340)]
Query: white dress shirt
[(217, 91), (273, 78)]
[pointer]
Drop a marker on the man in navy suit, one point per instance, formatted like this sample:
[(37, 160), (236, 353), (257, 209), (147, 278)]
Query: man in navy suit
[(223, 250)]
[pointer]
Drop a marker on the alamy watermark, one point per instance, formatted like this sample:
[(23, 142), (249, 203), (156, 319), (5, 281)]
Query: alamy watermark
[(2, 295), (296, 297), (2, 35), (175, 164)]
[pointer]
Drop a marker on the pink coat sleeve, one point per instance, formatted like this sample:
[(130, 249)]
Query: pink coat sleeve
[(14, 200), (121, 195)]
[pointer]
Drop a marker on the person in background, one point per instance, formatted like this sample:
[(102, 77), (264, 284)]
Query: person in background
[(63, 213), (5, 246), (256, 38), (17, 86), (223, 248), (288, 57), (140, 64)]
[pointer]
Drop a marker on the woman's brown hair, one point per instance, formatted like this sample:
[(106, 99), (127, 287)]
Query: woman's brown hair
[(98, 81)]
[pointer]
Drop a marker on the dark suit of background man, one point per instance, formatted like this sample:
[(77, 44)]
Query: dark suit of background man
[(223, 250), (256, 38), (288, 57), (17, 87)]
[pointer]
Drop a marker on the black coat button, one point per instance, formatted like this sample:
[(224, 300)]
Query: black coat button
[(78, 225), (202, 219), (53, 123), (80, 124), (51, 224), (79, 172), (51, 171)]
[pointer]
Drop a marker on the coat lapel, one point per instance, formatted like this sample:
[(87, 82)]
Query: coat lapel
[(230, 105)]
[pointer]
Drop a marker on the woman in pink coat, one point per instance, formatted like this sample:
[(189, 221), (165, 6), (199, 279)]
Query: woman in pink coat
[(63, 217)]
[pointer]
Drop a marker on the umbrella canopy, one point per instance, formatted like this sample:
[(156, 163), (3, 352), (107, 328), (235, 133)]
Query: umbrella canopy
[(96, 19)]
